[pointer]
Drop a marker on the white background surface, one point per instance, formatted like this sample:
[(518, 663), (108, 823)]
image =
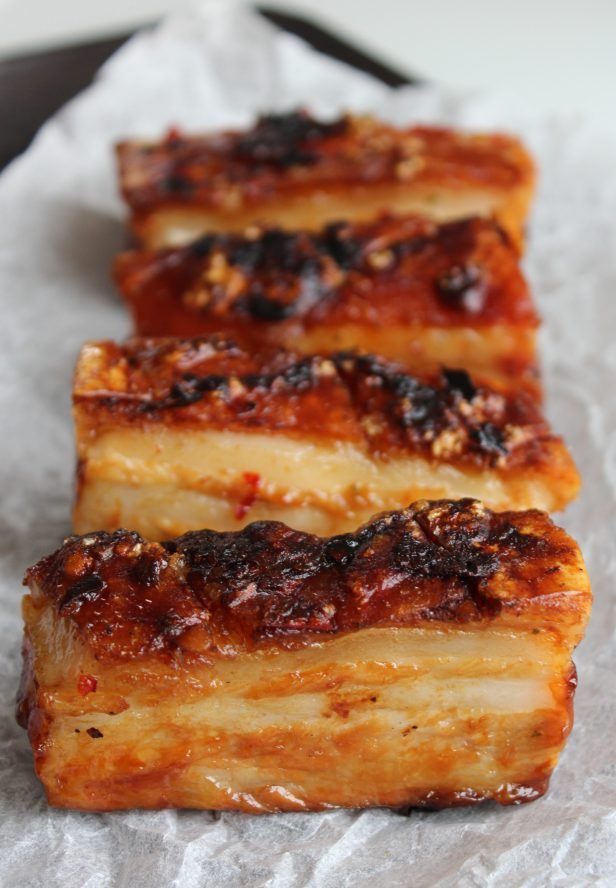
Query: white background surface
[(553, 55)]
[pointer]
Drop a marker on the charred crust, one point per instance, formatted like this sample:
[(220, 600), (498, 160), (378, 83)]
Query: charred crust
[(447, 416), (86, 588), (460, 381), (489, 438), (284, 140), (285, 153), (411, 268), (346, 244), (177, 185), (264, 308), (462, 286), (435, 561)]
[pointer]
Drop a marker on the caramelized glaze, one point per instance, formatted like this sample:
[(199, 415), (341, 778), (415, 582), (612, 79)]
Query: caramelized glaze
[(211, 382), (437, 561), (391, 271), (294, 152)]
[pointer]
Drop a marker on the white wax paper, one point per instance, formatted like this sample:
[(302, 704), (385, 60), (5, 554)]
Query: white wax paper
[(60, 225)]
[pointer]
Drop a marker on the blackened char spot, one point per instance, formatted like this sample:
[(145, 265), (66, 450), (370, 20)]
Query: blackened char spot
[(462, 287), (204, 245), (178, 185), (489, 438), (245, 253), (212, 383), (423, 559), (273, 249), (263, 308), (425, 408), (257, 380), (459, 381), (285, 250), (341, 549), (415, 404), (147, 570), (85, 589), (184, 393), (344, 249), (284, 139), (462, 536), (189, 390), (299, 375)]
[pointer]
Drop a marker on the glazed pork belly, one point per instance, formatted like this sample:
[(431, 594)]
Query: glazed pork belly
[(424, 660), (176, 435), (297, 172), (406, 288)]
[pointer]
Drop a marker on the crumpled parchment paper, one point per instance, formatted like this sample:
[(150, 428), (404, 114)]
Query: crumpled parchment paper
[(60, 225)]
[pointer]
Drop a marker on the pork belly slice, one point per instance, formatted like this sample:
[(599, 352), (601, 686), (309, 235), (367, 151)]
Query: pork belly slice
[(404, 287), (297, 172), (175, 435), (423, 660)]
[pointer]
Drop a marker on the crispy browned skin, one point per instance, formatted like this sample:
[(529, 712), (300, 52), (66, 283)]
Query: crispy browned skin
[(133, 650), (392, 270), (267, 584), (285, 157), (210, 382), (396, 277)]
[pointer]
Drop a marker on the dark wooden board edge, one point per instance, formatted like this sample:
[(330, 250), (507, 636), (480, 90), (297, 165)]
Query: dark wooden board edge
[(35, 86)]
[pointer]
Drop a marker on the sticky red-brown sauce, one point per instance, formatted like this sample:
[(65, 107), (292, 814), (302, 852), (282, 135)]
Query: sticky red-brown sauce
[(291, 153), (392, 271), (268, 583), (210, 382)]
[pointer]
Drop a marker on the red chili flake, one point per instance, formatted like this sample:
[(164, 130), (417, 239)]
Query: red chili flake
[(87, 684), (174, 134), (253, 481)]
